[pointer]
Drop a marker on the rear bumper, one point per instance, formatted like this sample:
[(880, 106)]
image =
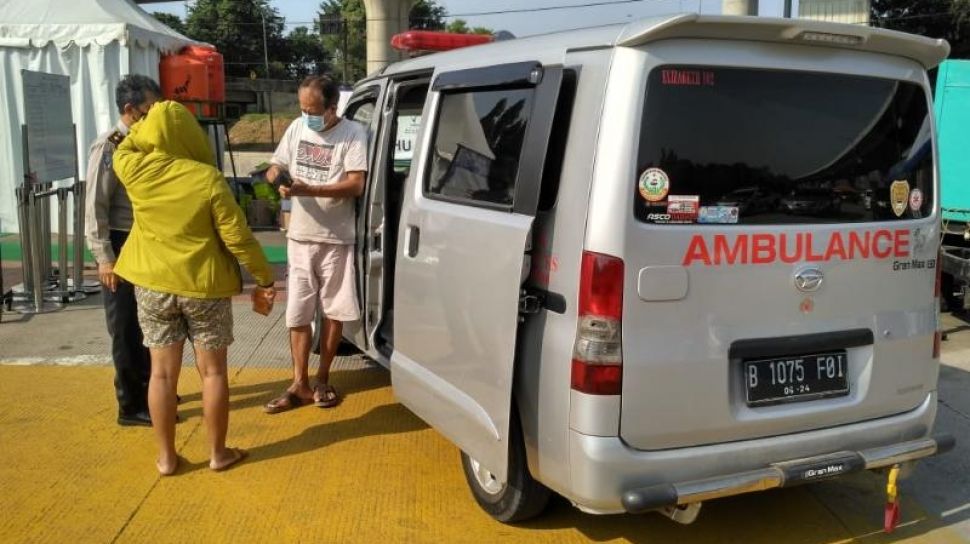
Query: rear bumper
[(783, 474), (603, 469)]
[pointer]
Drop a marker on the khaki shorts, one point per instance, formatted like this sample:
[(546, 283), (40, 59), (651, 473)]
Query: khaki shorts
[(323, 274), (167, 319)]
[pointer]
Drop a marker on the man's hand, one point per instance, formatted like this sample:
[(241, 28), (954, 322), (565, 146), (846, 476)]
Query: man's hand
[(284, 191), (106, 273), (351, 185), (298, 188), (272, 173)]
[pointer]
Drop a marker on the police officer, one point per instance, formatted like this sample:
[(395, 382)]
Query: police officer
[(108, 221)]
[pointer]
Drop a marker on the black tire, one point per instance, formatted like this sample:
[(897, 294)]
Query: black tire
[(315, 329), (522, 497)]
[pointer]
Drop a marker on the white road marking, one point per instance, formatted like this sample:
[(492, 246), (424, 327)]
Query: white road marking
[(956, 510), (76, 360)]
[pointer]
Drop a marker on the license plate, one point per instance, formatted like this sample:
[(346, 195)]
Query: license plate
[(796, 378)]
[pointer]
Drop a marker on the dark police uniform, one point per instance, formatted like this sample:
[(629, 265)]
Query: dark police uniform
[(108, 221)]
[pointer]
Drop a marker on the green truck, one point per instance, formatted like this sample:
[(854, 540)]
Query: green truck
[(952, 107)]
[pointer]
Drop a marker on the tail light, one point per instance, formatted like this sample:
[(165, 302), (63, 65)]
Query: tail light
[(598, 354), (938, 335)]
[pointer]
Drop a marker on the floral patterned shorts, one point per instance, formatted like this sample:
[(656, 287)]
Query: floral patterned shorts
[(166, 319)]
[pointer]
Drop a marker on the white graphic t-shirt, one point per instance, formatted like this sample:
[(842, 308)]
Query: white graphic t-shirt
[(321, 158)]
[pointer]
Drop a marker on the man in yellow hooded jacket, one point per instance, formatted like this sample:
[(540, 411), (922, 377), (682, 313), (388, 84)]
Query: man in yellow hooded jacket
[(183, 255)]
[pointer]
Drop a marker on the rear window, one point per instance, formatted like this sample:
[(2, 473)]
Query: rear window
[(728, 145)]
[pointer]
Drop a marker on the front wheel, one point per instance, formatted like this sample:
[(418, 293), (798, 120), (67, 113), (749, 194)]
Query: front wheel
[(518, 499)]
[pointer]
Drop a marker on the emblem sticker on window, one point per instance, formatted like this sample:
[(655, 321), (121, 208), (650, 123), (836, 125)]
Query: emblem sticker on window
[(899, 196), (654, 185), (915, 200)]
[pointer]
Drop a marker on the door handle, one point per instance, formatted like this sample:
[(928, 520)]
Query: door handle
[(412, 237)]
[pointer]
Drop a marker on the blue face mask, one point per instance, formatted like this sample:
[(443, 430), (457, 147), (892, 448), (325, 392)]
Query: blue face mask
[(314, 122)]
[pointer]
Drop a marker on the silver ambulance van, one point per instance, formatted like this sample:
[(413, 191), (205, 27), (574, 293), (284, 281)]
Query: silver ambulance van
[(636, 265)]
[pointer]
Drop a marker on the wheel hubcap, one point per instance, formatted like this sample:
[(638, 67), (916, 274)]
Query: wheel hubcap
[(486, 480)]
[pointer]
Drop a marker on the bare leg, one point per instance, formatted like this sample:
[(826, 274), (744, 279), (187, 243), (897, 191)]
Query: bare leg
[(166, 365), (300, 352), (329, 342), (215, 401)]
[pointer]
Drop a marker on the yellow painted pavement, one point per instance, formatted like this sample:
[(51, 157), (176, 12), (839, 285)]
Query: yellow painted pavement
[(367, 471)]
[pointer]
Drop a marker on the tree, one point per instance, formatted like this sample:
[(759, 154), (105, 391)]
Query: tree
[(949, 19), (307, 54), (460, 26), (427, 15), (170, 20), (235, 27), (342, 24)]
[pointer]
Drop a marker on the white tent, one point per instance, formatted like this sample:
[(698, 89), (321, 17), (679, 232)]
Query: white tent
[(96, 43)]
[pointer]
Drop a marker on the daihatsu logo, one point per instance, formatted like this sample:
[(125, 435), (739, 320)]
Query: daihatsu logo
[(809, 279)]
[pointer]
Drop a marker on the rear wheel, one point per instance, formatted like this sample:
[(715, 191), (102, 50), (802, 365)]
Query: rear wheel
[(316, 328), (518, 499)]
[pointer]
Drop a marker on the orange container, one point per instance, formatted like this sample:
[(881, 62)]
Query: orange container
[(216, 72), (195, 75), (184, 79)]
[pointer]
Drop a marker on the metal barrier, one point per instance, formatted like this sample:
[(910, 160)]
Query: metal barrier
[(80, 203), (24, 219), (46, 288)]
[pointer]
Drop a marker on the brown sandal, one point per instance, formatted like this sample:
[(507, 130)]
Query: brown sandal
[(286, 401), (325, 396)]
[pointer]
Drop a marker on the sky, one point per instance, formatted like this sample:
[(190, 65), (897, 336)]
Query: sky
[(303, 12)]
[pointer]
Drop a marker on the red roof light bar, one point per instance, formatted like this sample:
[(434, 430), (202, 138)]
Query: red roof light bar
[(427, 40)]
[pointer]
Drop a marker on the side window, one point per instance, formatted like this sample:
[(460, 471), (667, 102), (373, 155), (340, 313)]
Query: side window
[(407, 122), (478, 142), (556, 152), (362, 112)]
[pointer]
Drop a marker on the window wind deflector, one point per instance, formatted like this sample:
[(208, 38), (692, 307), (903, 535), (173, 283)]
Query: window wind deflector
[(516, 74)]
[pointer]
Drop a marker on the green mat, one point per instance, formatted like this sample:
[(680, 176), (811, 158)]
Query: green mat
[(10, 251)]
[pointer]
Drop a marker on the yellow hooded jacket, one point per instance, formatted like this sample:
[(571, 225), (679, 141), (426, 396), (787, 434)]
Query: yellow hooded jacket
[(189, 232)]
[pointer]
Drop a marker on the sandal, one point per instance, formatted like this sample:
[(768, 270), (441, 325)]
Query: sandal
[(238, 455), (286, 401), (325, 396)]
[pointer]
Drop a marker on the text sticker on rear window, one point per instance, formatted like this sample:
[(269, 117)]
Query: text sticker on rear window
[(683, 208), (718, 214), (654, 185), (687, 78)]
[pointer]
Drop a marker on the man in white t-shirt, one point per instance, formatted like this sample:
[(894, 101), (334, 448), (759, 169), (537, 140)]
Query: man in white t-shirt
[(326, 159)]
